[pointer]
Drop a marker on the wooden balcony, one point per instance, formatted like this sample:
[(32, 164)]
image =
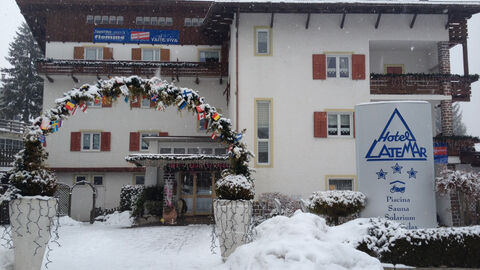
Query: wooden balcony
[(127, 68), (421, 84), (12, 126), (458, 144), (470, 157)]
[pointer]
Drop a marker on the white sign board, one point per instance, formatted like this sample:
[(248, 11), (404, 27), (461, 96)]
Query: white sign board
[(395, 161)]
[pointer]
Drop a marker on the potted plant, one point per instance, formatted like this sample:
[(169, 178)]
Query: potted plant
[(32, 206), (336, 203), (233, 211)]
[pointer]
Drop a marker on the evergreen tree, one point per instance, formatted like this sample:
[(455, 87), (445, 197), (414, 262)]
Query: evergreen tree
[(459, 127), (22, 89)]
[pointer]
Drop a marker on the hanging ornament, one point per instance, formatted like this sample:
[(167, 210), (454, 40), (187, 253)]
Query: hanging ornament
[(70, 105), (215, 116), (182, 104)]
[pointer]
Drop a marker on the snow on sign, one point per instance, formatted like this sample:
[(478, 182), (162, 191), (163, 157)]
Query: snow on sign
[(119, 35), (395, 161)]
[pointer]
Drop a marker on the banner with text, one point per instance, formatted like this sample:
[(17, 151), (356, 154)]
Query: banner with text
[(118, 35), (395, 161)]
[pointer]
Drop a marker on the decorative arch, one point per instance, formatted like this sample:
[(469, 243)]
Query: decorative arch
[(162, 94)]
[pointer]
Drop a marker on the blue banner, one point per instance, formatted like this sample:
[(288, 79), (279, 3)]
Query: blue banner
[(440, 152), (117, 35)]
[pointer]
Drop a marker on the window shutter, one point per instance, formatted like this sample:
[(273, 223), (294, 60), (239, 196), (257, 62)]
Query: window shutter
[(105, 141), (107, 103), (358, 67), (165, 55), (319, 66), (107, 53), (163, 134), (134, 141), (137, 103), (75, 141), (320, 124), (78, 53), (136, 54)]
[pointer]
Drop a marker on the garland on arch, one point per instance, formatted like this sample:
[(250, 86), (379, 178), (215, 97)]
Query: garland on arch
[(161, 93)]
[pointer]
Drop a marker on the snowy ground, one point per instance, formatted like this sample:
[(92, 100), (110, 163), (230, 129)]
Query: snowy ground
[(300, 242)]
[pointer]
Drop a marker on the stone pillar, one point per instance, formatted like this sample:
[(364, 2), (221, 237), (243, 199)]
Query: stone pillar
[(446, 85)]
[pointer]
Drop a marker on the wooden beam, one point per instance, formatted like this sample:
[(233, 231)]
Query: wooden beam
[(308, 21), (271, 20), (412, 23), (343, 20), (378, 20), (465, 58)]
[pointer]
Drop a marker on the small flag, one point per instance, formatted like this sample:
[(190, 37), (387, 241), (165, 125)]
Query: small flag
[(200, 116), (182, 104), (124, 89), (155, 98), (230, 147), (70, 105), (126, 99), (159, 106), (216, 116), (41, 138), (238, 137), (214, 136), (186, 93), (97, 99), (200, 108), (84, 107), (104, 100), (74, 110), (44, 124), (55, 125)]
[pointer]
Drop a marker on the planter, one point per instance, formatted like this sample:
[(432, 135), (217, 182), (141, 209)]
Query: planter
[(232, 221), (31, 221)]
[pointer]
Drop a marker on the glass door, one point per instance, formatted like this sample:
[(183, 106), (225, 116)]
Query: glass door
[(197, 191)]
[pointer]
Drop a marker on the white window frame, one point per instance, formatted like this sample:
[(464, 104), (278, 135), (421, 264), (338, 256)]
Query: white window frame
[(340, 178), (154, 20), (139, 20), (268, 140), (105, 19), (195, 22), (75, 177), (269, 40), (98, 53), (188, 22), (135, 179), (90, 19), (147, 21), (162, 21), (168, 21), (339, 132), (155, 54), (200, 51), (149, 134), (97, 19), (90, 147), (337, 65), (98, 175), (112, 20), (119, 19)]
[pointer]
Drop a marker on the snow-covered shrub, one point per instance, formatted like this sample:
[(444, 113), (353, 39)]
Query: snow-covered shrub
[(336, 203), (234, 187), (466, 182), (447, 246), (288, 204), (148, 201), (128, 195)]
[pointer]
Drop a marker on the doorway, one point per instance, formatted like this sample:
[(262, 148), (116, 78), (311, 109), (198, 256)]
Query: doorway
[(196, 188)]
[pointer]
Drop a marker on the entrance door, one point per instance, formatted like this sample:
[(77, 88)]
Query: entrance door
[(196, 188)]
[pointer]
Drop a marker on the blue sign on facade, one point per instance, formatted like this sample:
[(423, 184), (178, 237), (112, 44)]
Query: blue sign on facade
[(118, 35), (440, 153)]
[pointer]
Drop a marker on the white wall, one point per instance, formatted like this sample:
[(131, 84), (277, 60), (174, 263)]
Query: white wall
[(300, 161), (187, 53)]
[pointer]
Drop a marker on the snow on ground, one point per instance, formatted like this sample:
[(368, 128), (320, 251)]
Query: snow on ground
[(301, 242)]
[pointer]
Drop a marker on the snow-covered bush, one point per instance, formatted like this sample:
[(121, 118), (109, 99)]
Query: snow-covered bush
[(466, 182), (393, 243), (234, 187), (128, 195), (336, 203), (148, 201), (288, 204)]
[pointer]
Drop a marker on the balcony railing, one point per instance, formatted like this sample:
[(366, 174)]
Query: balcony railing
[(458, 144), (11, 126), (421, 84), (128, 68)]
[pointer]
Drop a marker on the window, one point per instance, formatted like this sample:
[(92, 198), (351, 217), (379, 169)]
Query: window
[(144, 144), (220, 151), (146, 20), (80, 178), (263, 131), (206, 151), (91, 141), (188, 22), (193, 151), (169, 21), (94, 53), (89, 19), (179, 151), (195, 22), (262, 41), (140, 179), (139, 20), (104, 19), (98, 19), (10, 144), (200, 21), (113, 20), (161, 21), (209, 56), (154, 21), (119, 19), (340, 184), (98, 180), (165, 150), (151, 54), (338, 66), (339, 124)]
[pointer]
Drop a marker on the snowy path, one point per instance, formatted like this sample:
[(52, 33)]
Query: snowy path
[(92, 247)]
